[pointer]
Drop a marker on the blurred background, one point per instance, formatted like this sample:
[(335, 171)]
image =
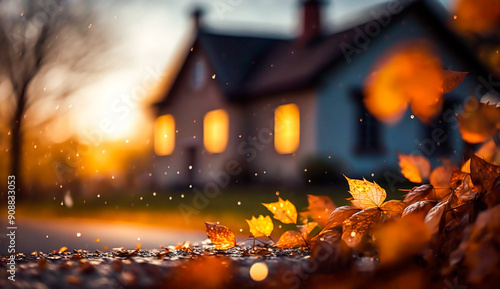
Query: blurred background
[(132, 122)]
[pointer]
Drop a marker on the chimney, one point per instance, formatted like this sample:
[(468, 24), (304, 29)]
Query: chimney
[(197, 16), (311, 21)]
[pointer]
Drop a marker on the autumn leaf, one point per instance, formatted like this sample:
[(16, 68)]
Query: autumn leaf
[(319, 209), (393, 208), (401, 239), (418, 193), (420, 207), (434, 217), (355, 227), (261, 226), (283, 211), (291, 239), (440, 179), (221, 236), (414, 167), (451, 79), (306, 229), (483, 174), (366, 194), (407, 74), (478, 121), (338, 216)]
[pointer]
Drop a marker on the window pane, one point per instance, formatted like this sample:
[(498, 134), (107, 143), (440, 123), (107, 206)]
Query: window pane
[(216, 131), (164, 135), (286, 128)]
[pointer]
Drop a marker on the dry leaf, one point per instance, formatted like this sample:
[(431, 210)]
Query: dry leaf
[(483, 174), (452, 79), (366, 194), (414, 167), (338, 217), (401, 239), (319, 209), (220, 235), (421, 207), (356, 226), (261, 226), (435, 216), (418, 194), (440, 179), (478, 121), (306, 229), (393, 208), (283, 211), (291, 239)]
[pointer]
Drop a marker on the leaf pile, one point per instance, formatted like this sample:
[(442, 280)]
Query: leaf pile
[(448, 236)]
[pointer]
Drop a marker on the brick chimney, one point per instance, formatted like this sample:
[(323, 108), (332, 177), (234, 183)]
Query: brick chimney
[(311, 20)]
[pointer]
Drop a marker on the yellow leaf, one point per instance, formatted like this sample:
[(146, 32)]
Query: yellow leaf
[(283, 211), (291, 239), (414, 167), (306, 229), (319, 209), (221, 236), (356, 226), (393, 208), (366, 194), (261, 226)]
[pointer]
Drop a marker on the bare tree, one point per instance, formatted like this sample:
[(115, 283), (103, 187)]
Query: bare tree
[(38, 38)]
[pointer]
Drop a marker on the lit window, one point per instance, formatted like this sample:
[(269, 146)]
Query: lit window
[(286, 128), (164, 135), (216, 131)]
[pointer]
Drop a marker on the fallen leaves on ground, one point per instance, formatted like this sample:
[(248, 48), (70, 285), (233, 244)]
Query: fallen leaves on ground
[(319, 209), (283, 211), (221, 236), (261, 226)]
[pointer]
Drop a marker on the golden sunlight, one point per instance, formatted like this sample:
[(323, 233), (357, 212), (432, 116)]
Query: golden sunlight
[(286, 128), (216, 131), (164, 142)]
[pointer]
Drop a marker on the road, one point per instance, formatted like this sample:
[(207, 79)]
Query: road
[(51, 234)]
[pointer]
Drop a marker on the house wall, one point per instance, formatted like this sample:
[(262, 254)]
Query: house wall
[(189, 105), (264, 162), (338, 118)]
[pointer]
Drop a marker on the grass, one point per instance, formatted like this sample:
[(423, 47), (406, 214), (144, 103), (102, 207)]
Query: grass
[(183, 208)]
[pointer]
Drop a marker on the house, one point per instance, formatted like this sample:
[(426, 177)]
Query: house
[(268, 108)]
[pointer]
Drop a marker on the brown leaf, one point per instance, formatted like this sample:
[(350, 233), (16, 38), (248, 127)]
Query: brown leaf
[(328, 253), (338, 216), (221, 236), (356, 226), (291, 239), (393, 208), (414, 167), (451, 79), (319, 209), (306, 229), (440, 179), (420, 207), (435, 216), (483, 174), (466, 192), (418, 193)]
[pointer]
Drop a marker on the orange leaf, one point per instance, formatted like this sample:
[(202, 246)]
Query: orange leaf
[(366, 194), (320, 208), (356, 226), (393, 208), (414, 167), (306, 229), (220, 235), (401, 239), (440, 179), (478, 121), (452, 79), (283, 211), (261, 226), (63, 249), (291, 239)]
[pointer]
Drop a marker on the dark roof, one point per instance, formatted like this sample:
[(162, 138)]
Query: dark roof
[(249, 67)]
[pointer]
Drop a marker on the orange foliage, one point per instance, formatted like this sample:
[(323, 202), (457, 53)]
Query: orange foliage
[(261, 226), (477, 16), (283, 211), (291, 239), (221, 236), (478, 121), (319, 209), (414, 167)]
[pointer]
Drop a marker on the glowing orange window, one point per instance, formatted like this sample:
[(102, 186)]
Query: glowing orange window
[(286, 128), (216, 130), (164, 141)]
